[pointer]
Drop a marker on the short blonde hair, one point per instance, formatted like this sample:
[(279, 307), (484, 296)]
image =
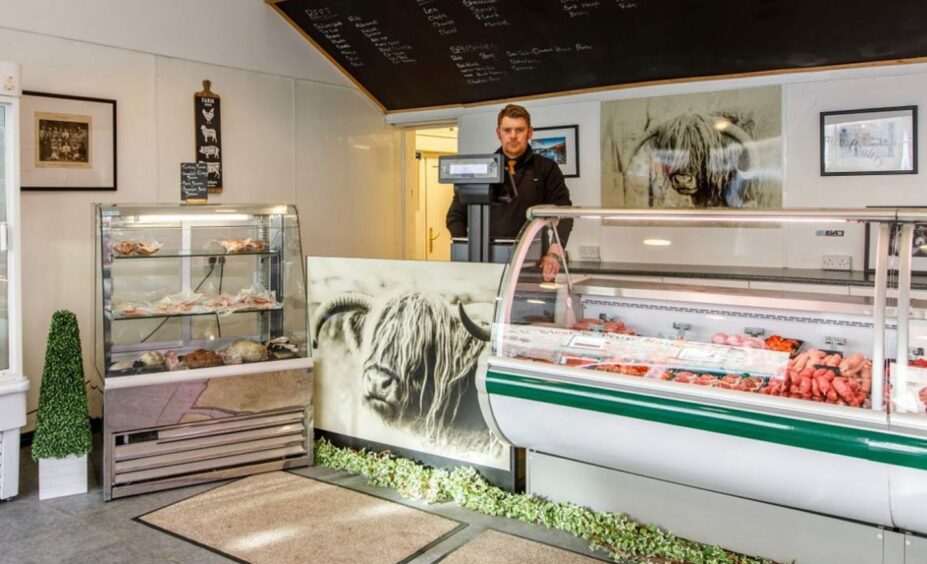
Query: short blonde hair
[(514, 111)]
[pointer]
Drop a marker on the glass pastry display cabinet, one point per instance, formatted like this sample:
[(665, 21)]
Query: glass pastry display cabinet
[(759, 404), (201, 343), (13, 384)]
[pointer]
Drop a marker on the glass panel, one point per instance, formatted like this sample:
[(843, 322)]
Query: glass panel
[(5, 156), (698, 304), (199, 286), (908, 389)]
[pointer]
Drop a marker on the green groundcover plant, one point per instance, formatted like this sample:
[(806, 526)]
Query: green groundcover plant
[(622, 538), (62, 426)]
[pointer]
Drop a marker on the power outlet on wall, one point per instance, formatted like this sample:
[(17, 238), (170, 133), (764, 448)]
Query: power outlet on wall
[(588, 252), (836, 262)]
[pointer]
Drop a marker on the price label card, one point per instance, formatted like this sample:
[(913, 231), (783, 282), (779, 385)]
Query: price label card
[(585, 342)]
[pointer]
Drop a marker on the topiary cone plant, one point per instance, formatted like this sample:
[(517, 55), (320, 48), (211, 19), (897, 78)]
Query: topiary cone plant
[(62, 428)]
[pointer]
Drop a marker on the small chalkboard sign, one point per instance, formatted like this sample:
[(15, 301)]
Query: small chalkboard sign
[(193, 185)]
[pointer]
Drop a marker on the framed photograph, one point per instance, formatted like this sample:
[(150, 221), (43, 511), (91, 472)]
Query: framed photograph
[(918, 249), (870, 141), (68, 142), (559, 144), (701, 150)]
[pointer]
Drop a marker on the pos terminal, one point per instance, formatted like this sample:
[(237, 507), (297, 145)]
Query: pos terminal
[(478, 182)]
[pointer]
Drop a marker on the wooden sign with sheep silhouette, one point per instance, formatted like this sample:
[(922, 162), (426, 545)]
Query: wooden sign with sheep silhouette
[(208, 134)]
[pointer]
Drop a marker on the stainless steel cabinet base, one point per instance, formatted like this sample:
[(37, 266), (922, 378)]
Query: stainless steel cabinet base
[(187, 432), (739, 524)]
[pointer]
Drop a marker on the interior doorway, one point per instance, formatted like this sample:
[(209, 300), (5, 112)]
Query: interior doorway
[(427, 200)]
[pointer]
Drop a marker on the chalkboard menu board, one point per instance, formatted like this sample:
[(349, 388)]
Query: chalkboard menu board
[(424, 53), (193, 184)]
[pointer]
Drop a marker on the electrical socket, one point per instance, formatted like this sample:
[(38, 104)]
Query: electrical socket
[(588, 252), (836, 262)]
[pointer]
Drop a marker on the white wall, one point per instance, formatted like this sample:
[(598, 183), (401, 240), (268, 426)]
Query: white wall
[(804, 96), (244, 34), (293, 130)]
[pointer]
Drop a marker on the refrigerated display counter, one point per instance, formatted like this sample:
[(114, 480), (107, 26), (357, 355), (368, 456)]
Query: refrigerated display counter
[(200, 337), (722, 413)]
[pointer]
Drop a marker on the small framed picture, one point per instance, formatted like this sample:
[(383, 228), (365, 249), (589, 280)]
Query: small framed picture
[(918, 248), (869, 141), (68, 142), (559, 144)]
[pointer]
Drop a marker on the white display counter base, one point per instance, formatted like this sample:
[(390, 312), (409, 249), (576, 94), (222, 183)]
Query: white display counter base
[(736, 523), (12, 417)]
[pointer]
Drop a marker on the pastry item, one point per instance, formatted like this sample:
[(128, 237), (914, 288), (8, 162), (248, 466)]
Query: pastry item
[(247, 350), (243, 245), (148, 248), (201, 358), (171, 361), (124, 247), (281, 347), (152, 358), (129, 247)]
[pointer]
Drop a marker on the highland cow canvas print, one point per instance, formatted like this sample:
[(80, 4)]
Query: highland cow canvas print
[(394, 363), (706, 150)]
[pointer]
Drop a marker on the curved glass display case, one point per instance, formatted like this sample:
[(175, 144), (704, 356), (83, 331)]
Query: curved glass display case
[(734, 383), (201, 317)]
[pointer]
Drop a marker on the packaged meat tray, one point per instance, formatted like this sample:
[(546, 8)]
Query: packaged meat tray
[(912, 396)]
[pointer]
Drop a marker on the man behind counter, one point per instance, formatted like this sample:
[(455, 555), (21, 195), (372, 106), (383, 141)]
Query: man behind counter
[(538, 181)]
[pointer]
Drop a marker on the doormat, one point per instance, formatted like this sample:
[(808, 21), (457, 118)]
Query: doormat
[(282, 517), (493, 547)]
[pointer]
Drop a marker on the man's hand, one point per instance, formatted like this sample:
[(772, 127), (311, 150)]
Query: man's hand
[(550, 266), (550, 263)]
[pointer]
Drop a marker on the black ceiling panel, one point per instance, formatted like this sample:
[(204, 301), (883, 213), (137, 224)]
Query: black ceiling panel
[(425, 53)]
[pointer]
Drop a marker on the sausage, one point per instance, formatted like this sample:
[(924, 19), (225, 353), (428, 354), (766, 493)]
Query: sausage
[(843, 390), (799, 362), (805, 386)]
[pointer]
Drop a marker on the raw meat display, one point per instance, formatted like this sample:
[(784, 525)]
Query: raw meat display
[(627, 369), (243, 245), (777, 343), (603, 326), (140, 248), (741, 382), (720, 338), (187, 301), (830, 378)]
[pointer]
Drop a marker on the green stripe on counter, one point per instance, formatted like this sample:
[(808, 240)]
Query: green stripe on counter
[(878, 446)]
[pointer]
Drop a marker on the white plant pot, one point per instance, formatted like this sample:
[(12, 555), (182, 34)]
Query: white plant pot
[(59, 477)]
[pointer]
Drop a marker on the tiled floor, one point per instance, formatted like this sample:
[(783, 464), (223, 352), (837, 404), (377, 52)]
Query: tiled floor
[(82, 528)]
